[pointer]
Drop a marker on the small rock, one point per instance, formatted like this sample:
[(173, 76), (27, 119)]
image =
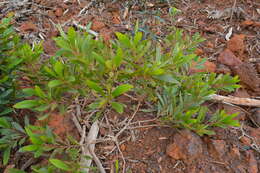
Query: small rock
[(247, 23), (235, 152), (116, 18), (255, 133), (123, 147), (27, 26), (241, 93), (210, 45), (106, 34), (256, 116), (236, 45), (258, 67), (97, 25), (103, 131), (228, 58), (220, 146), (223, 69), (199, 52), (60, 124), (207, 67), (49, 47), (51, 14), (59, 12), (253, 168), (247, 75), (210, 29), (187, 146), (245, 140), (201, 23)]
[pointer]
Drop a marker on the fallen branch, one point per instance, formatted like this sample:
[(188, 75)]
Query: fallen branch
[(97, 161), (236, 100), (88, 149)]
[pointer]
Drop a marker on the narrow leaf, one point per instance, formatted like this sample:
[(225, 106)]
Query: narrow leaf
[(119, 107), (95, 86), (121, 90), (6, 155), (26, 104), (60, 164), (29, 148), (117, 60), (4, 123), (54, 83), (167, 78), (39, 92), (59, 68)]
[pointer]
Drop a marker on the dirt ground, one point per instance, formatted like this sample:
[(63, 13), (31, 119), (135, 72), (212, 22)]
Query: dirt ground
[(232, 32)]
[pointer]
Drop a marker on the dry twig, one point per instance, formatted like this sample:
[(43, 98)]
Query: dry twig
[(236, 100), (88, 149), (85, 8)]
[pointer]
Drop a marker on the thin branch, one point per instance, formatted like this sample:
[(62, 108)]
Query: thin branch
[(88, 149), (76, 123), (236, 100), (97, 161), (85, 8), (129, 121)]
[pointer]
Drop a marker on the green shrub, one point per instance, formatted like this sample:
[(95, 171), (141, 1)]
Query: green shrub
[(13, 58), (181, 105), (9, 42), (87, 67)]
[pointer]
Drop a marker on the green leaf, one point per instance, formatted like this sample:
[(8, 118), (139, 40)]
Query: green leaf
[(234, 123), (6, 111), (99, 58), (121, 90), (60, 164), (119, 107), (38, 153), (29, 148), (13, 170), (158, 53), (138, 36), (29, 91), (205, 131), (43, 117), (42, 107), (123, 38), (94, 105), (54, 83), (95, 86), (39, 92), (6, 155), (26, 104), (117, 166), (49, 71), (167, 78), (18, 127), (4, 123), (59, 68), (117, 60)]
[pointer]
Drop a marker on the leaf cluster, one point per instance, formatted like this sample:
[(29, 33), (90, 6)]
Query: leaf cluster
[(85, 66)]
